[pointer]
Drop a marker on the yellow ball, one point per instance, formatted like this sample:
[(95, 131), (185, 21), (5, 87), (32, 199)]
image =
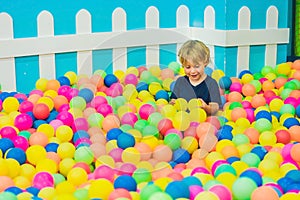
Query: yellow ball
[(283, 68), (10, 104), (47, 129), (105, 160), (132, 70), (194, 103), (181, 104), (35, 153), (131, 155), (28, 171), (167, 84), (65, 187), (41, 84), (190, 144), (47, 165), (217, 74), (267, 138), (206, 195), (154, 88), (66, 165), (64, 133), (247, 78), (119, 74), (168, 111), (77, 176), (47, 101), (181, 120), (47, 193), (71, 76), (198, 115), (22, 182), (103, 193), (155, 70)]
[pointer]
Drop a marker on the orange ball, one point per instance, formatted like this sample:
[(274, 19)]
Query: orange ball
[(230, 151), (252, 134), (296, 64), (295, 152), (38, 138), (208, 142), (59, 100), (257, 101), (235, 96), (204, 128), (268, 85), (296, 75), (53, 85), (248, 90), (110, 121), (295, 94), (294, 133), (279, 82), (5, 182), (41, 111), (237, 113), (264, 192)]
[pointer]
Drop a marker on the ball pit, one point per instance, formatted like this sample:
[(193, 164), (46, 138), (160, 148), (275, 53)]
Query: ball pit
[(115, 136)]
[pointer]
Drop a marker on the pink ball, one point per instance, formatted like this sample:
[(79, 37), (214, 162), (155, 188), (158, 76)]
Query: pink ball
[(165, 125), (56, 123), (250, 115), (97, 101), (146, 110), (64, 90), (116, 89), (82, 141), (116, 154), (129, 118), (291, 100), (26, 106), (286, 151), (221, 191), (23, 121), (217, 164), (8, 132), (64, 107), (126, 168), (131, 79), (194, 191), (105, 109), (20, 96), (73, 92), (173, 130), (65, 117), (104, 171), (80, 124), (42, 180), (200, 170), (119, 193), (20, 142), (236, 87), (38, 92), (246, 104)]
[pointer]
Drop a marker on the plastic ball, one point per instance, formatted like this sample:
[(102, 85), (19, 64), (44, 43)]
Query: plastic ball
[(289, 122), (10, 104), (236, 87), (248, 89), (126, 182), (225, 82), (131, 79), (23, 121), (295, 152), (162, 94), (181, 156), (164, 125), (175, 66), (43, 179), (125, 140), (16, 154), (146, 110), (35, 153), (262, 125), (110, 79), (104, 171), (243, 187), (162, 153), (106, 188), (177, 189), (84, 154)]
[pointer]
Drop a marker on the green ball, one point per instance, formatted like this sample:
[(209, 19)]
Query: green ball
[(100, 72), (235, 104), (160, 195), (78, 102), (175, 66), (266, 70), (25, 134), (257, 76), (285, 93), (256, 84), (224, 168), (58, 178), (95, 120), (150, 130), (287, 108), (210, 184), (154, 118), (8, 196), (141, 175), (125, 127), (82, 194), (145, 76), (148, 190), (84, 154), (290, 85), (251, 159), (172, 140), (240, 138), (262, 125), (297, 82), (140, 124), (243, 187)]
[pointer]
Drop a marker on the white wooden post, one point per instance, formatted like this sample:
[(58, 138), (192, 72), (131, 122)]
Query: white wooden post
[(46, 29), (210, 24), (182, 22), (7, 65), (243, 54), (271, 23), (119, 54), (152, 22), (84, 58)]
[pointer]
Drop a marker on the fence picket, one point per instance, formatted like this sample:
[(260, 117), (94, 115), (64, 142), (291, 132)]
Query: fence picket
[(182, 22), (243, 53), (84, 58), (271, 23), (7, 65), (46, 29), (152, 22), (210, 23), (119, 25)]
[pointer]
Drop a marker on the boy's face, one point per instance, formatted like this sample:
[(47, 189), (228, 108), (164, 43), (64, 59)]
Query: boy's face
[(194, 71)]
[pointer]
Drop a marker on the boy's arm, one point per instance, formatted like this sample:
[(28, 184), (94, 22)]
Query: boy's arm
[(211, 108)]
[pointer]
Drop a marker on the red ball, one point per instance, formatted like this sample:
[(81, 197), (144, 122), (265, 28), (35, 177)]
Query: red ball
[(164, 125), (41, 111), (283, 136)]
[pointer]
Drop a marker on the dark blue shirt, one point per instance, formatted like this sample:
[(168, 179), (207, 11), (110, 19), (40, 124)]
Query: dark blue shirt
[(208, 90)]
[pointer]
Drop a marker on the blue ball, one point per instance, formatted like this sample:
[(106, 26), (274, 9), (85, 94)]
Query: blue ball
[(232, 159), (110, 79), (15, 190), (162, 94), (289, 122), (225, 133), (192, 180), (80, 134), (172, 85), (294, 175), (53, 114), (260, 151), (263, 114), (225, 82), (178, 189), (285, 183), (276, 114), (181, 156), (142, 86), (242, 73), (6, 144), (113, 134), (63, 80), (17, 154), (254, 175), (125, 140), (33, 190), (51, 147), (208, 71), (126, 182), (86, 94), (298, 111), (37, 123)]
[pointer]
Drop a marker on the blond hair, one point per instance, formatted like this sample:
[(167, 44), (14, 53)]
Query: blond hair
[(194, 51)]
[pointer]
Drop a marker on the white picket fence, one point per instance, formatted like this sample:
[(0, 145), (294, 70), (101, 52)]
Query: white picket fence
[(46, 44)]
